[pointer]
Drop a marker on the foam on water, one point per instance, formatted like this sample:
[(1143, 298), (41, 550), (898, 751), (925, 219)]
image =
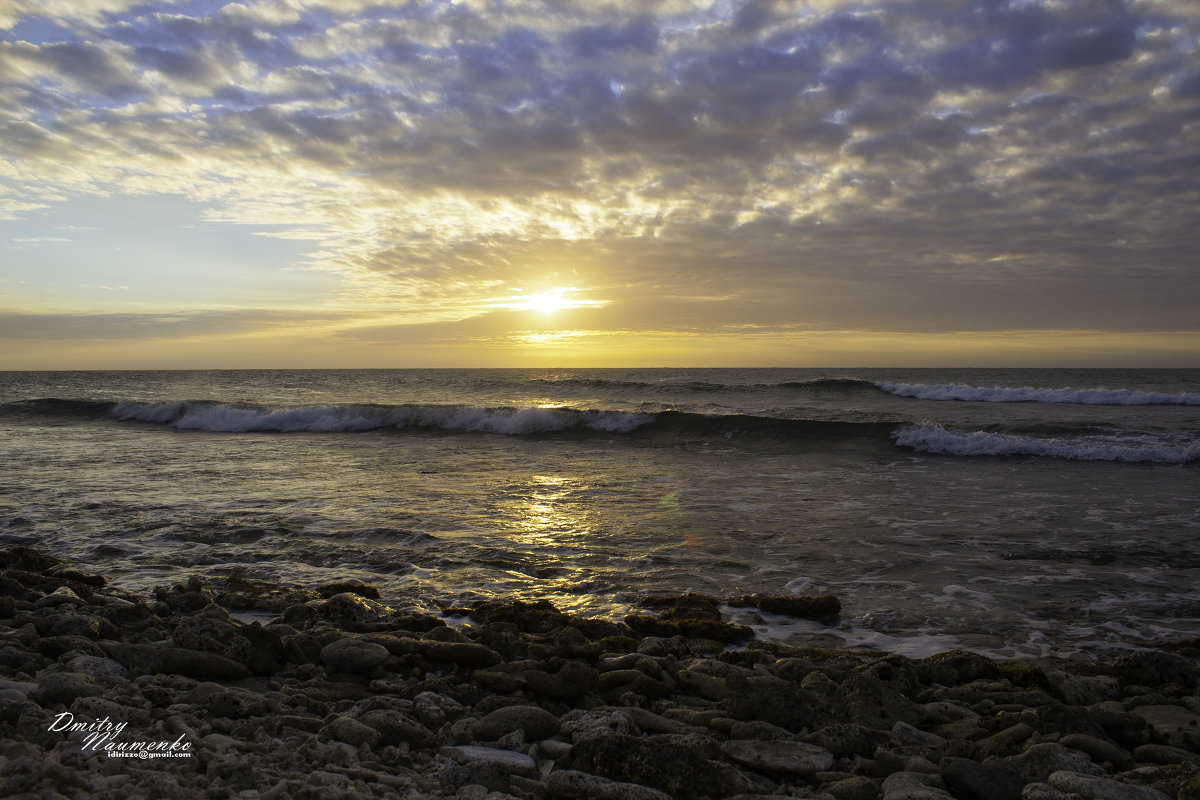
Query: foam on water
[(1027, 394), (1145, 448)]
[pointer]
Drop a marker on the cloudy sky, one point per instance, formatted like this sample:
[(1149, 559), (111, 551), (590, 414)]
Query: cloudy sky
[(599, 182)]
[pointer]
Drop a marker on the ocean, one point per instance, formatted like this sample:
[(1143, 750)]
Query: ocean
[(1012, 512)]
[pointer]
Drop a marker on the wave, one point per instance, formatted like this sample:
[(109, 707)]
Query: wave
[(226, 418), (1127, 448), (1000, 394)]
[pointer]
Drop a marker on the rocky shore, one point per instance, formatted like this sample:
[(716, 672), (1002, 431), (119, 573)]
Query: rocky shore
[(104, 694)]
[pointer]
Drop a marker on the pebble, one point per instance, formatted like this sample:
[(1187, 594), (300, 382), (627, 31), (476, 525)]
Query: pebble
[(352, 699), (792, 758)]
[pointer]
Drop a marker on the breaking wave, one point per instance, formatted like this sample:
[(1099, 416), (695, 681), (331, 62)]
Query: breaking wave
[(1128, 448), (1001, 394)]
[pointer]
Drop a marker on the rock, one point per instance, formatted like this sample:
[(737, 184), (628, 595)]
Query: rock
[(145, 659), (536, 722), (573, 679), (847, 739), (1155, 668), (659, 761), (662, 646), (350, 731), (395, 727), (582, 724), (72, 624), (1094, 787), (1044, 791), (470, 654), (854, 788), (352, 612), (354, 655), (791, 758), (772, 700), (1081, 690), (1005, 741), (956, 667), (914, 786), (506, 760), (64, 687), (566, 783), (98, 667), (1100, 750), (824, 608), (1003, 778), (1175, 726), (60, 596), (1165, 754)]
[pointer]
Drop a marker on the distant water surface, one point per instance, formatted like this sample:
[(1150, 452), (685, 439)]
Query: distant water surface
[(1014, 512)]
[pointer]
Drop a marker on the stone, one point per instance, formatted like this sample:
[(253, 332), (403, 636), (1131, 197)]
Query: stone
[(350, 731), (506, 760), (1095, 787), (396, 727), (1100, 750), (847, 739), (659, 761), (772, 700), (853, 788), (352, 612), (64, 687), (1175, 726), (1165, 754), (574, 679), (146, 659), (536, 722), (354, 655), (566, 783), (1044, 791), (824, 608), (98, 667), (470, 654), (791, 758), (914, 786), (71, 624), (1155, 668)]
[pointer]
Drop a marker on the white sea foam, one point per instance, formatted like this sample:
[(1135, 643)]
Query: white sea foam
[(1027, 394), (935, 439), (222, 418)]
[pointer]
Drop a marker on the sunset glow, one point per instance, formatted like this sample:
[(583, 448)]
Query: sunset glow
[(327, 183)]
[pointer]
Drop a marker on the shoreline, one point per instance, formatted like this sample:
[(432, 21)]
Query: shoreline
[(107, 694)]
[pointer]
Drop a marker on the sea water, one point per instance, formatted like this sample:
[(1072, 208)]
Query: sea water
[(1012, 512)]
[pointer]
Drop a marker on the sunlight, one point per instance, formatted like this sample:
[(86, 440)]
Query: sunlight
[(549, 301)]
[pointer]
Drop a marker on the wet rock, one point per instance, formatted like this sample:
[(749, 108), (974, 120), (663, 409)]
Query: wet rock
[(241, 593), (956, 667), (574, 784), (539, 616), (60, 597), (354, 655), (824, 608), (98, 667), (1094, 787), (536, 722), (714, 630), (352, 612), (791, 758)]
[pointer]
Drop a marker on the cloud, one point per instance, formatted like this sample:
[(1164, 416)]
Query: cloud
[(918, 164), (20, 325)]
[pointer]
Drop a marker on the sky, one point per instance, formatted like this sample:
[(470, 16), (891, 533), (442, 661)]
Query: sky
[(476, 183)]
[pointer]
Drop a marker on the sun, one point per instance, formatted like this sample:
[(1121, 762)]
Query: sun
[(549, 301)]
